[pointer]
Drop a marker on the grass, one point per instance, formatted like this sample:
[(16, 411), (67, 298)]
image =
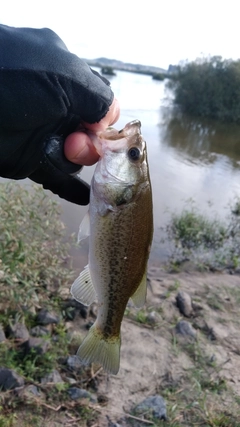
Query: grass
[(208, 243), (33, 252), (34, 267)]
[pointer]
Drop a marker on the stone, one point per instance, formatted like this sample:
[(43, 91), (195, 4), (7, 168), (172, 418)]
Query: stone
[(52, 377), (39, 331), (74, 363), (184, 303), (46, 317), (113, 424), (103, 399), (185, 328), (153, 318), (71, 307), (18, 331), (2, 335), (83, 312), (38, 345), (76, 393), (28, 392), (152, 406), (9, 379)]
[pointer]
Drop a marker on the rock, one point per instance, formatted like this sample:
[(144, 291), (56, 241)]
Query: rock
[(2, 335), (75, 339), (74, 363), (28, 392), (46, 317), (39, 331), (9, 379), (153, 318), (52, 377), (79, 393), (71, 307), (152, 406), (185, 328), (18, 331), (184, 303), (112, 423), (217, 332), (103, 399), (83, 312), (29, 310), (38, 345)]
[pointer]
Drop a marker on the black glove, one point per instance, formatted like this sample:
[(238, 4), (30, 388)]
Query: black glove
[(59, 175), (45, 92)]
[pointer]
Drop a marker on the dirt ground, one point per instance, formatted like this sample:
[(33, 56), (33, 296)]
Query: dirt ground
[(199, 378), (154, 357)]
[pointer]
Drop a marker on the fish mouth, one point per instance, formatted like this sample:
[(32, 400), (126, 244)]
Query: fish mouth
[(103, 139)]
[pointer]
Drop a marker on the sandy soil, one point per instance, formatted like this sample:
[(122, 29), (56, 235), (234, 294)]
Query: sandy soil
[(148, 356)]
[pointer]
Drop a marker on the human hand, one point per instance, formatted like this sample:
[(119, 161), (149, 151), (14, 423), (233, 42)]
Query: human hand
[(61, 160), (78, 147)]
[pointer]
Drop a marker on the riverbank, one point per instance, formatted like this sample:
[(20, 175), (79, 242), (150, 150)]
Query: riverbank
[(192, 361), (180, 354)]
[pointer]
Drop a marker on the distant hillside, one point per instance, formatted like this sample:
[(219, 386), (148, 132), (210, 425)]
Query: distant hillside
[(125, 66)]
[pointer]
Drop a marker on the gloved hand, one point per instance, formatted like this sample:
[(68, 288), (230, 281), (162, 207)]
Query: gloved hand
[(59, 175), (46, 92)]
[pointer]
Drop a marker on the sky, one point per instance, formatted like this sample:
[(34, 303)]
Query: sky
[(152, 32)]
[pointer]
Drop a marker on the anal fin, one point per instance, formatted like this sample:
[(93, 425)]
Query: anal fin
[(139, 296)]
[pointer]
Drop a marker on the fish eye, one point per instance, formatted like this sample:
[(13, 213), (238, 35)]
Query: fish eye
[(134, 154)]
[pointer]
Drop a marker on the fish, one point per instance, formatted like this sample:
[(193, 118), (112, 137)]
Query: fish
[(119, 225)]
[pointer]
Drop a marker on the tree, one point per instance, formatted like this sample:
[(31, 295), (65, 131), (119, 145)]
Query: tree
[(209, 88)]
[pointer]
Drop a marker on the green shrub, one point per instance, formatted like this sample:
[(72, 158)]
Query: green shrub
[(191, 229), (209, 88), (205, 241), (33, 249)]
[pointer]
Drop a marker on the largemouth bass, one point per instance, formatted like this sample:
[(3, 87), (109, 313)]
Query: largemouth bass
[(120, 226)]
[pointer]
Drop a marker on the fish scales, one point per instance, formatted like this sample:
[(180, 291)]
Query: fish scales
[(120, 259), (121, 228)]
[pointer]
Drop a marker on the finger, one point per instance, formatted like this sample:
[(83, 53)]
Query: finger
[(111, 117), (79, 149)]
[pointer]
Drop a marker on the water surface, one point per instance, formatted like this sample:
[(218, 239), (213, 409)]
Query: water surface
[(188, 159)]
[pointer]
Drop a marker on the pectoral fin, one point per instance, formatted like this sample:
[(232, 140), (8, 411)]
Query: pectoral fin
[(82, 289), (139, 297), (84, 229)]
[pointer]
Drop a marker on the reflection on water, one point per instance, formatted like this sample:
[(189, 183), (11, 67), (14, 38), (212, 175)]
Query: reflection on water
[(187, 158), (201, 140)]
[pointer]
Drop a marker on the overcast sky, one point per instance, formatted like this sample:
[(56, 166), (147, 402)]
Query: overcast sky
[(152, 32)]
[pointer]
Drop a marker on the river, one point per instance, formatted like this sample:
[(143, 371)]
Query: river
[(198, 160)]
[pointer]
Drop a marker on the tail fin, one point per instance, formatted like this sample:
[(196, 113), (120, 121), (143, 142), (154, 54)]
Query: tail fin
[(97, 349)]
